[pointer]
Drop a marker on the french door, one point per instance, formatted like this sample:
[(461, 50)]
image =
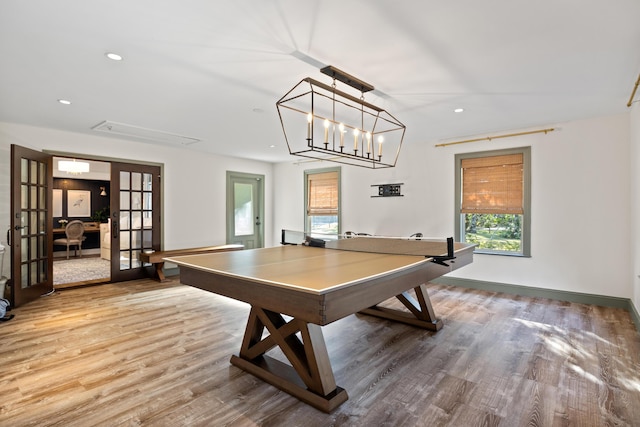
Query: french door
[(135, 218), (30, 235)]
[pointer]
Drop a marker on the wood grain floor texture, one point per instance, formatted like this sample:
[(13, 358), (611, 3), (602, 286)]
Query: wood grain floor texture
[(142, 353)]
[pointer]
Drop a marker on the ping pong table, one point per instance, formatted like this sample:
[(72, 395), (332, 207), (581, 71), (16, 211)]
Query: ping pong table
[(315, 286)]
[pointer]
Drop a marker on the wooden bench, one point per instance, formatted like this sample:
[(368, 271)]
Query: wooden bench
[(157, 257)]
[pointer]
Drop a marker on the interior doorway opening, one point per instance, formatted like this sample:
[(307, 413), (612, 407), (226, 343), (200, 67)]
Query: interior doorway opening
[(135, 212), (81, 192)]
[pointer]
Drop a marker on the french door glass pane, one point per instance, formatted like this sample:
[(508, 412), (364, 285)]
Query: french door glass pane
[(33, 222), (43, 245), (136, 220), (42, 222), (33, 245), (147, 182), (124, 181), (147, 201), (34, 172), (24, 274), (24, 170), (125, 240), (146, 238), (24, 197), (24, 249), (136, 200), (136, 181), (124, 201), (42, 177), (33, 191)]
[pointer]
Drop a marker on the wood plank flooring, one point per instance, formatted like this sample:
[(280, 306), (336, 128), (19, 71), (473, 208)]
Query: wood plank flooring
[(143, 353)]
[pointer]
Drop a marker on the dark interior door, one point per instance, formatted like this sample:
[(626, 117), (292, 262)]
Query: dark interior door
[(30, 236), (135, 218)]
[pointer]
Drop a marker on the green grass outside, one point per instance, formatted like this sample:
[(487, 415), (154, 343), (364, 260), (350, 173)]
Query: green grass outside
[(486, 239)]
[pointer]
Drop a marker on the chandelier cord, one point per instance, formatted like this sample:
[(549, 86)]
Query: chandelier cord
[(333, 114), (362, 120)]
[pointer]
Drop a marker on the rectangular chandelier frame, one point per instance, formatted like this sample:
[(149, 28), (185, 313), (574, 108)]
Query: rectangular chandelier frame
[(323, 123)]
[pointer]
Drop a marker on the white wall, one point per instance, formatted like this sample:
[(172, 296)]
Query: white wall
[(5, 169), (580, 205), (634, 125), (583, 238), (194, 182)]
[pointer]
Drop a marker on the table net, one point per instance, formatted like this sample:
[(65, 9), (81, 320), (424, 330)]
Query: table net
[(431, 247)]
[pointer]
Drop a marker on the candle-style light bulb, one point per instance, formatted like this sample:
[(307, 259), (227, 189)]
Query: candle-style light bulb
[(368, 142), (309, 120), (355, 139), (341, 127), (326, 131), (380, 140)]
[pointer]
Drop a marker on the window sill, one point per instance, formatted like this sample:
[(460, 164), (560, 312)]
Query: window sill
[(508, 254)]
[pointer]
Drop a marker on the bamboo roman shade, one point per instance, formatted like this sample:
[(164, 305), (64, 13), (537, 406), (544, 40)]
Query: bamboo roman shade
[(493, 185), (322, 193)]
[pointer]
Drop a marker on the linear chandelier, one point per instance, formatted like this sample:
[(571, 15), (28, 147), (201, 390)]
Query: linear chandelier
[(323, 123), (73, 167)]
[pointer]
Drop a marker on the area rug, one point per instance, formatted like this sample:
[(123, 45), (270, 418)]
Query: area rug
[(80, 270)]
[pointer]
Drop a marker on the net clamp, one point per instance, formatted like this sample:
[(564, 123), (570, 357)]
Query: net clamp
[(440, 259)]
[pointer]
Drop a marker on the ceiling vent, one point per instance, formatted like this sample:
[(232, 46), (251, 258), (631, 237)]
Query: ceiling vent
[(131, 131)]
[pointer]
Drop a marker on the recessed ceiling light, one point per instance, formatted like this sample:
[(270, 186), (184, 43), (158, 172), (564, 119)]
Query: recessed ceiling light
[(64, 101), (113, 56), (458, 110), (272, 146)]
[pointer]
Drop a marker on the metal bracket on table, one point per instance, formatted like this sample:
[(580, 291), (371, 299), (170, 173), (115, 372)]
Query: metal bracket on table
[(283, 240), (440, 259)]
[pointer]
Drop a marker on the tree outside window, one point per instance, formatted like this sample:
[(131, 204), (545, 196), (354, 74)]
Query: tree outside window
[(322, 196), (493, 200)]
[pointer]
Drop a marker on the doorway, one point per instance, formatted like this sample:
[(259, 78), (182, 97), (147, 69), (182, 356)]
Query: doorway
[(81, 192), (31, 235), (124, 204), (245, 209)]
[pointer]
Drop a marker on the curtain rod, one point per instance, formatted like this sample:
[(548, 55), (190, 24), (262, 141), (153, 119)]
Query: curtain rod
[(489, 138), (634, 92)]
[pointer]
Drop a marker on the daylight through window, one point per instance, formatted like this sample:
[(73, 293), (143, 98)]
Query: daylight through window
[(323, 202), (493, 195)]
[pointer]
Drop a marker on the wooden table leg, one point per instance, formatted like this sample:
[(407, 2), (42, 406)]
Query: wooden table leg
[(420, 312), (159, 272), (309, 377)]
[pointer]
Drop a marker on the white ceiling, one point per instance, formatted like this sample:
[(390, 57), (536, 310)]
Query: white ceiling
[(213, 70)]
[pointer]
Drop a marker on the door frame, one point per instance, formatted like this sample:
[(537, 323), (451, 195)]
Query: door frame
[(231, 176), (108, 159)]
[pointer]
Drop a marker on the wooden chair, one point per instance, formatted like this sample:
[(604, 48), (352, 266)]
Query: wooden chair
[(74, 232)]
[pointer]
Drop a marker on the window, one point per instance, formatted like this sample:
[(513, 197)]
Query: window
[(493, 200), (322, 196)]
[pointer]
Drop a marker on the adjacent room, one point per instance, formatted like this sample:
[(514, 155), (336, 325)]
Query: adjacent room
[(80, 195), (249, 213)]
